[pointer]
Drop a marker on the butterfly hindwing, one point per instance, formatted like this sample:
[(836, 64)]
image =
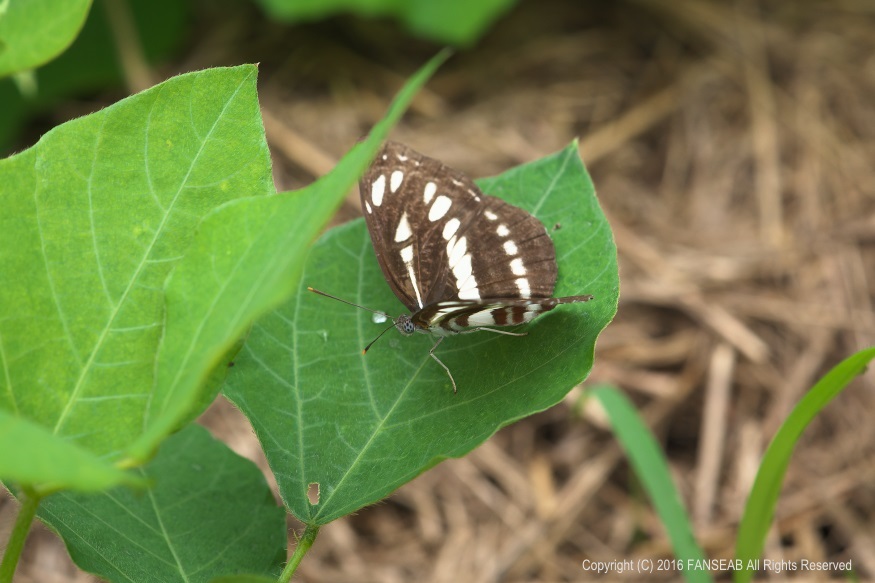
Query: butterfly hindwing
[(512, 255), (458, 315)]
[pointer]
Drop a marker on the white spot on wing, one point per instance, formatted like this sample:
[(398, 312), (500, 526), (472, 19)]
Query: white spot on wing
[(407, 254), (403, 232), (470, 293), (529, 316), (407, 258), (401, 157), (460, 264), (439, 315), (490, 215), (395, 180), (450, 228), (516, 266), (510, 247), (456, 250), (368, 207), (430, 189), (462, 270), (484, 318), (440, 207), (523, 285), (444, 311), (377, 190), (502, 231), (413, 282)]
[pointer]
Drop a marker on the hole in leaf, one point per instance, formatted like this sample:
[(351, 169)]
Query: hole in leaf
[(313, 493)]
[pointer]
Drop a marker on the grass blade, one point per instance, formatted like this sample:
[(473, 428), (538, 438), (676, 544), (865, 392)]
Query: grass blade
[(650, 466), (760, 508)]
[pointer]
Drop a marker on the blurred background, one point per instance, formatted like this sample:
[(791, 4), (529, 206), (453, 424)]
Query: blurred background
[(732, 147)]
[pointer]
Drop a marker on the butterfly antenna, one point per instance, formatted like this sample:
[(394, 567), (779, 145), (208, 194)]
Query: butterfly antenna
[(387, 316), (322, 293), (365, 351)]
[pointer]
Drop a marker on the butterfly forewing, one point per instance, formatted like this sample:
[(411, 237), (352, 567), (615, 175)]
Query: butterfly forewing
[(412, 204), (437, 237)]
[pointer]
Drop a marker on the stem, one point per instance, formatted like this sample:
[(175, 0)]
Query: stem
[(304, 544), (127, 42), (29, 503)]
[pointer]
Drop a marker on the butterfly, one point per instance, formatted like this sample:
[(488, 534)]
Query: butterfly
[(460, 260)]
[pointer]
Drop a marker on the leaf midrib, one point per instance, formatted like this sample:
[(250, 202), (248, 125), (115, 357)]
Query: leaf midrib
[(377, 429)]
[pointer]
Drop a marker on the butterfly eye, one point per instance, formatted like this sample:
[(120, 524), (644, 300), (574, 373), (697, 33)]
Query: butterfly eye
[(405, 325)]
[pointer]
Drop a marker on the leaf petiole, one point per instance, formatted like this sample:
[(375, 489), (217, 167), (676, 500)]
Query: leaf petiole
[(29, 503), (304, 544)]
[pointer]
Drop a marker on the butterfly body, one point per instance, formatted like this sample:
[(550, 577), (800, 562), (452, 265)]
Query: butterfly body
[(461, 261)]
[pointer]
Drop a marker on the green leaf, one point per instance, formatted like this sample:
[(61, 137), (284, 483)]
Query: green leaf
[(360, 426), (32, 455), (94, 217), (760, 507), (209, 513), (457, 22), (91, 63), (243, 579), (246, 260), (651, 468), (35, 31)]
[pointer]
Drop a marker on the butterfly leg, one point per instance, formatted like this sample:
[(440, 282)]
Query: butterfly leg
[(484, 329), (438, 360)]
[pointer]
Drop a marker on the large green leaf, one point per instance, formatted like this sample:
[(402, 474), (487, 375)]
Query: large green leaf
[(457, 22), (209, 513), (94, 217), (246, 260), (35, 31), (360, 426)]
